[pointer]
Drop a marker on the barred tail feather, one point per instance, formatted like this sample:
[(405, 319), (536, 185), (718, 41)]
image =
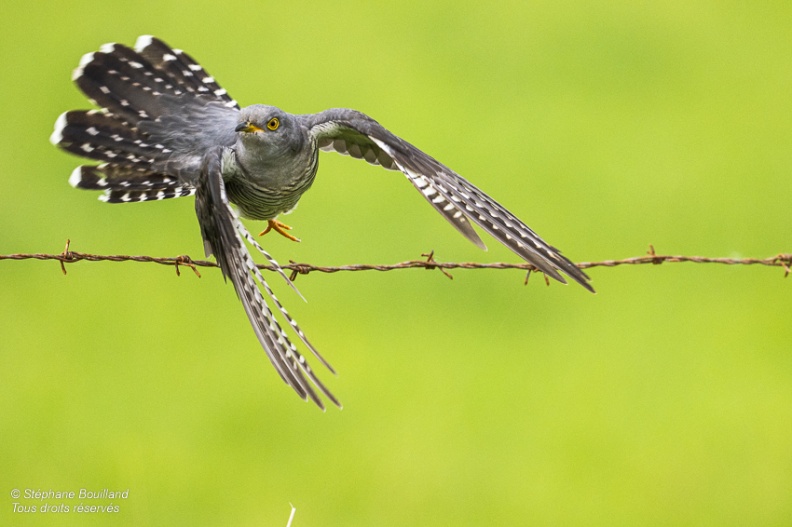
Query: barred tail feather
[(100, 135), (120, 196), (126, 185), (138, 90), (119, 79), (182, 69)]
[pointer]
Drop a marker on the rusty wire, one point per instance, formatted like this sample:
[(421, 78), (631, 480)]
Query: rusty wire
[(783, 260)]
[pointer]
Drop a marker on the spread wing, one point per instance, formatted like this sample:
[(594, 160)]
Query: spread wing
[(352, 133), (222, 233)]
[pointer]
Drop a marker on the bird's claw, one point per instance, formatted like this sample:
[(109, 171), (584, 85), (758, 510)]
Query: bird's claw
[(280, 228)]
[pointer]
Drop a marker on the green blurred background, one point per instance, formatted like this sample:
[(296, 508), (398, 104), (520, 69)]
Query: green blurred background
[(665, 399)]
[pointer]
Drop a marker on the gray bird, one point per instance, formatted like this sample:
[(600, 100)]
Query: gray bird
[(166, 129)]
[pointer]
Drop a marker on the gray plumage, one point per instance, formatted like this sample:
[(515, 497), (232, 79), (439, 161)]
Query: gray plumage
[(166, 129)]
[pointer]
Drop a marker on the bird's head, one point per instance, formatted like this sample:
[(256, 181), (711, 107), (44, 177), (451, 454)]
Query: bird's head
[(268, 128)]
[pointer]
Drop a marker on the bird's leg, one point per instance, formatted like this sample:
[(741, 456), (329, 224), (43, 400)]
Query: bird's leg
[(280, 228)]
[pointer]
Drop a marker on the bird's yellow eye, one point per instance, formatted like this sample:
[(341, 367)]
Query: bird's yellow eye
[(273, 124)]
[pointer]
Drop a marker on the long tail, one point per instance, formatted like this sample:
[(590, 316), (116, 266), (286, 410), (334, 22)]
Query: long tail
[(131, 86)]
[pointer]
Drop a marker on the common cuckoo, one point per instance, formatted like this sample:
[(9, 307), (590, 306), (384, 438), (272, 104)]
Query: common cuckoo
[(166, 129)]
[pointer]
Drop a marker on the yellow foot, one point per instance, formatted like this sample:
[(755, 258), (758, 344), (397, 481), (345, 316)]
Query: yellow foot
[(280, 228)]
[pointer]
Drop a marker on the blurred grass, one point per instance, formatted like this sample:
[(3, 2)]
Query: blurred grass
[(664, 399)]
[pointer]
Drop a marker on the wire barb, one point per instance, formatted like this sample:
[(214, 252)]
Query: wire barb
[(296, 268), (785, 260), (430, 264), (187, 262), (66, 254)]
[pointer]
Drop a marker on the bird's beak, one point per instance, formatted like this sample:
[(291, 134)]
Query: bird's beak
[(247, 127)]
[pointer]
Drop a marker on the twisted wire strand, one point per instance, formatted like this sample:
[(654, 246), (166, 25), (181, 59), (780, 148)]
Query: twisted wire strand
[(783, 260)]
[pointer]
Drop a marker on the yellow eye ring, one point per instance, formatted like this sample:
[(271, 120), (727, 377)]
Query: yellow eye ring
[(273, 124)]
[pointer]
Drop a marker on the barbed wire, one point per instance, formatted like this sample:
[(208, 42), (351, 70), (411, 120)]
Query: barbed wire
[(783, 260)]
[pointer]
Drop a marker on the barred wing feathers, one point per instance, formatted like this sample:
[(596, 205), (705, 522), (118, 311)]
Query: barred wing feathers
[(222, 233), (352, 133)]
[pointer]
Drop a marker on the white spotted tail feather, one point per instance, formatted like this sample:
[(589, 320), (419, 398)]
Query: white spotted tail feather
[(135, 89), (178, 65)]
